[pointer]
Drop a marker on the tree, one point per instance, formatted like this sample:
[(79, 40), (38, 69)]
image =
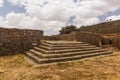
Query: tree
[(68, 29)]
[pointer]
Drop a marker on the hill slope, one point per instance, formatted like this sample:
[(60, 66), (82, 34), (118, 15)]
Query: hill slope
[(103, 28)]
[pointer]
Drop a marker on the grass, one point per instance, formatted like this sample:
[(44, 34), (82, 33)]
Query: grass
[(97, 68)]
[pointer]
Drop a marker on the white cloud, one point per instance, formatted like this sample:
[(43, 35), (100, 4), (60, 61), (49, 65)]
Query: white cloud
[(13, 19), (1, 21), (22, 21), (90, 21), (1, 3), (54, 14), (112, 18)]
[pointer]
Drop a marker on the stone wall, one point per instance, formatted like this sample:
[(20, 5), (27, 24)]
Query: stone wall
[(116, 42), (88, 37), (55, 37), (91, 38), (68, 37), (111, 39), (111, 27), (18, 40)]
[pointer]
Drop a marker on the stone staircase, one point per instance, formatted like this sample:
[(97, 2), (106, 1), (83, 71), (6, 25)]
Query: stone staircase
[(60, 51)]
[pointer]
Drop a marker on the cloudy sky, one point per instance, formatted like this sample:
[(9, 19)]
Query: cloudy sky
[(51, 15)]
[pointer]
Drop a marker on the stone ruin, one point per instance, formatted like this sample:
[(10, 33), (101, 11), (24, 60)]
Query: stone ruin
[(18, 40)]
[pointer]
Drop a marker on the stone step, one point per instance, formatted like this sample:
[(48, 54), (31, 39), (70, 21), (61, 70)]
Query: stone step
[(33, 57), (65, 45), (62, 51), (41, 55), (58, 51), (62, 42), (51, 60), (61, 48)]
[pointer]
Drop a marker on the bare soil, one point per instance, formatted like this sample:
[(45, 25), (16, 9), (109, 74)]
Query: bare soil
[(98, 68)]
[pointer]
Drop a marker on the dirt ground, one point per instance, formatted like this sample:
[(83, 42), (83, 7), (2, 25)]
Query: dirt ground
[(97, 68)]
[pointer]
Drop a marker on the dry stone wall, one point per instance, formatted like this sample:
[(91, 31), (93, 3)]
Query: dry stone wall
[(18, 40), (91, 38), (55, 37), (116, 42), (68, 37), (88, 37), (103, 28), (111, 39)]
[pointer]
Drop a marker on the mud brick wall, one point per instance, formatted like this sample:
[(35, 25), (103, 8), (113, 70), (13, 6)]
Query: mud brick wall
[(18, 40), (88, 37)]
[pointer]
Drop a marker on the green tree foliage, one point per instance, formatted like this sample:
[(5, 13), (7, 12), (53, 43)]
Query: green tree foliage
[(68, 29)]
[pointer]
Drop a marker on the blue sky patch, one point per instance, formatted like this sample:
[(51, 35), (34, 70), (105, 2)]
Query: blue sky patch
[(104, 16), (7, 8)]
